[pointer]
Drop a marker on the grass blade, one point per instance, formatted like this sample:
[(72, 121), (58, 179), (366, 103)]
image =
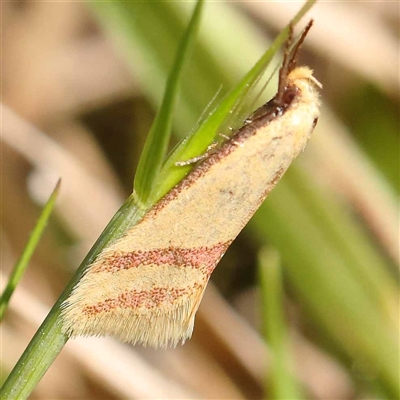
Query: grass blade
[(21, 265), (49, 339), (325, 281), (157, 141), (197, 141), (281, 382)]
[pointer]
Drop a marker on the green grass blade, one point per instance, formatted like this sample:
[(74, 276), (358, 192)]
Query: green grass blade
[(49, 339), (325, 280), (196, 143), (21, 265), (367, 265), (147, 34), (281, 383), (155, 148)]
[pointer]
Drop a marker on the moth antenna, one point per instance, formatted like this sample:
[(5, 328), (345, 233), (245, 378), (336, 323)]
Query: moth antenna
[(290, 57), (293, 59), (284, 70)]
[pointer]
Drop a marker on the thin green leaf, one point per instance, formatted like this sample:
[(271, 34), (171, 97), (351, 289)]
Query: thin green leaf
[(281, 383), (49, 338), (327, 283), (197, 141), (21, 265), (155, 148)]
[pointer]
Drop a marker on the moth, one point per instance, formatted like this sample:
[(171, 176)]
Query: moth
[(147, 286)]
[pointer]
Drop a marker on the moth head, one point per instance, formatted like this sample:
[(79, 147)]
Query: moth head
[(303, 79)]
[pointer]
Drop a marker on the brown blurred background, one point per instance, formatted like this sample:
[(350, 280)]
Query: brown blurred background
[(75, 107)]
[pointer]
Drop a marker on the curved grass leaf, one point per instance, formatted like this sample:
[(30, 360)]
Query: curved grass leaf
[(158, 139), (197, 141)]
